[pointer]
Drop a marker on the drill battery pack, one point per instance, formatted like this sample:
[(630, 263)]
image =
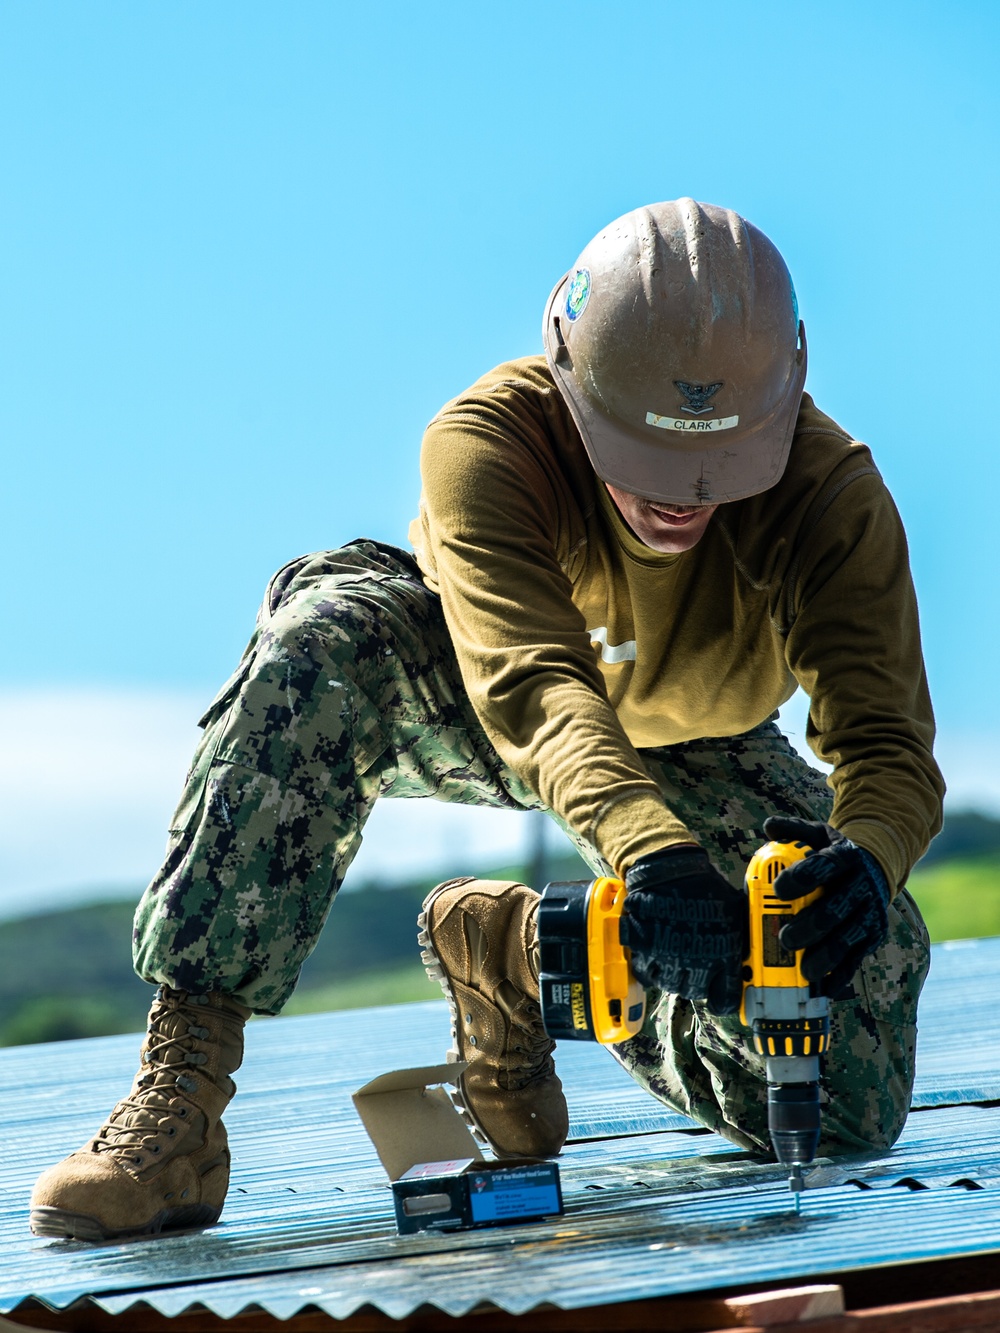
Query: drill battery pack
[(588, 992)]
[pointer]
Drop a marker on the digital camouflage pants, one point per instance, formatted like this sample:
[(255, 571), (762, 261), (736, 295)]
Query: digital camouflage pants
[(349, 690)]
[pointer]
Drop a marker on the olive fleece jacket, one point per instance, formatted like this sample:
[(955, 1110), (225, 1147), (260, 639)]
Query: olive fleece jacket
[(577, 643)]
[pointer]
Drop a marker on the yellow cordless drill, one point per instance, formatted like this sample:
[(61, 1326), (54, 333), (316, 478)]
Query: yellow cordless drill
[(790, 1025), (588, 992)]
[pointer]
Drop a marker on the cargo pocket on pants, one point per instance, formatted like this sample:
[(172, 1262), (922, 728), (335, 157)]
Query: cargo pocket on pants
[(213, 723)]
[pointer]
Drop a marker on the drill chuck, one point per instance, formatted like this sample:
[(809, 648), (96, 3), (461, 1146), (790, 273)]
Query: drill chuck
[(793, 1119)]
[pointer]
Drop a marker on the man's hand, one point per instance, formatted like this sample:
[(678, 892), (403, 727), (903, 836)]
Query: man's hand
[(686, 927), (849, 921)]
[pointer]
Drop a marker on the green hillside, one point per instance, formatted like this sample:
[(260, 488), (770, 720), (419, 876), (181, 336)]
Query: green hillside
[(960, 900), (68, 973)]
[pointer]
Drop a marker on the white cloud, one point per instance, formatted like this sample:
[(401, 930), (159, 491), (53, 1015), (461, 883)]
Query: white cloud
[(88, 781), (90, 777)]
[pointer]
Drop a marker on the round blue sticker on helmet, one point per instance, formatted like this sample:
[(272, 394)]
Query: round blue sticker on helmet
[(578, 294)]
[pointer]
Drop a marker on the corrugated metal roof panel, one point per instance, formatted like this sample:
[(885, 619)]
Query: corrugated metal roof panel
[(649, 1249), (652, 1190), (653, 1208), (959, 1050)]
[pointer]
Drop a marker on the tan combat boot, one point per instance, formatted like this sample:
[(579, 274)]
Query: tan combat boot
[(478, 938), (161, 1161)]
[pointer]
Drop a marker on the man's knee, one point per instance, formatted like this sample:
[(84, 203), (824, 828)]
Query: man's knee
[(870, 1065), (314, 631), (871, 1062), (868, 1092)]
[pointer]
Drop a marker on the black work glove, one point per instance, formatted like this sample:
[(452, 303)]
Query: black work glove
[(849, 921), (686, 926)]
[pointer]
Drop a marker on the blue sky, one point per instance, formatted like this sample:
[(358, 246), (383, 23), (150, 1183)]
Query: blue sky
[(250, 248)]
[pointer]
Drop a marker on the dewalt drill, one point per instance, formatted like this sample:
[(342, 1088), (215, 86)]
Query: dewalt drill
[(790, 1025), (588, 992)]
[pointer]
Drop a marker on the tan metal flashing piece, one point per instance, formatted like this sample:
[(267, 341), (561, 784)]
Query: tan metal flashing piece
[(410, 1118)]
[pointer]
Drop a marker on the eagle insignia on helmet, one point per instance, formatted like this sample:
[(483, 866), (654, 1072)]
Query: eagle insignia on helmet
[(698, 396)]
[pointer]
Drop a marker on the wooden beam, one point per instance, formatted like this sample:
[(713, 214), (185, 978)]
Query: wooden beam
[(975, 1313), (793, 1305)]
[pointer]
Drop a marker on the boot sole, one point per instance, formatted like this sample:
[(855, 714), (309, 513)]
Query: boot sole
[(59, 1224), (436, 972)]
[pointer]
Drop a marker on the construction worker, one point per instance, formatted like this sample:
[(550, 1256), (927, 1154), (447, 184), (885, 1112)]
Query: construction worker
[(629, 553)]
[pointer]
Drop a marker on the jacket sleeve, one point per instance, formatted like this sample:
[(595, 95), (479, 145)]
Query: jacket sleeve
[(492, 507), (854, 646)]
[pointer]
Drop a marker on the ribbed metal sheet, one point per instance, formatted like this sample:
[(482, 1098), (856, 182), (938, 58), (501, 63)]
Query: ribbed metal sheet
[(957, 1059), (653, 1208), (640, 1251)]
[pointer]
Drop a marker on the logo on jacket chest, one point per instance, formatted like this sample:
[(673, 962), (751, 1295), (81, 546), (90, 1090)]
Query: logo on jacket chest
[(612, 652)]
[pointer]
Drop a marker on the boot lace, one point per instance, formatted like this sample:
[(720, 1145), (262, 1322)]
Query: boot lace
[(529, 1051), (152, 1112)]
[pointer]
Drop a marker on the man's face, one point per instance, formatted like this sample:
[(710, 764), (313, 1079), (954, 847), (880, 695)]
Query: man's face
[(669, 529)]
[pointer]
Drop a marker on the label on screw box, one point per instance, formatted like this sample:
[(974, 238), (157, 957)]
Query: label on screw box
[(526, 1191)]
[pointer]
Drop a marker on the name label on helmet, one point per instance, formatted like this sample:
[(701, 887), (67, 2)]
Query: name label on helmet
[(682, 423)]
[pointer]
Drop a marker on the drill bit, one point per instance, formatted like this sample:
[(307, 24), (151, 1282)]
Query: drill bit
[(796, 1184)]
